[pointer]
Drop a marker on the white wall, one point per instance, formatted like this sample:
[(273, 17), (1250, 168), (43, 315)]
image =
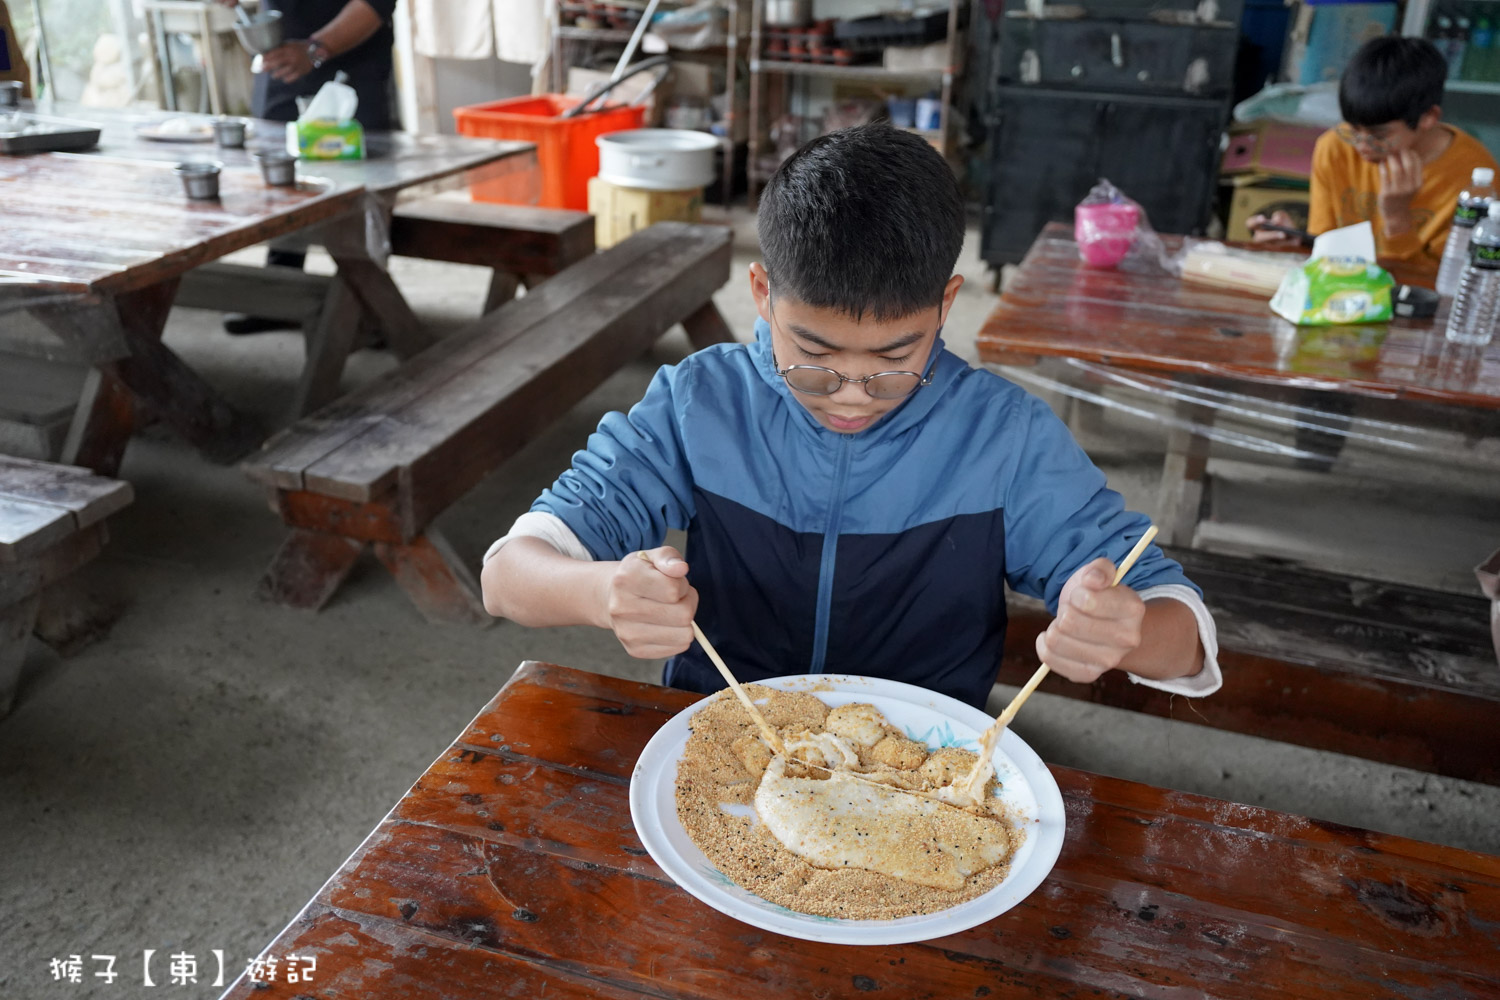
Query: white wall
[(461, 82)]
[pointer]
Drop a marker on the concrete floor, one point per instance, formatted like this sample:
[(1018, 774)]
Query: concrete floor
[(188, 783)]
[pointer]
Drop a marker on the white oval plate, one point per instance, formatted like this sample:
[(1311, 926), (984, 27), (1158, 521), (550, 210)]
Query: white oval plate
[(154, 132), (1028, 790)]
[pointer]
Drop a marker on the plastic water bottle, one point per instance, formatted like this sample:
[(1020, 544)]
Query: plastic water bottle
[(1476, 307), (1481, 42), (1459, 49), (1473, 202), (1450, 45)]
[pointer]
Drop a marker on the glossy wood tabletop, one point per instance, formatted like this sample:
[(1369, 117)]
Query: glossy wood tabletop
[(80, 223), (511, 869), (116, 219), (1055, 305), (396, 161)]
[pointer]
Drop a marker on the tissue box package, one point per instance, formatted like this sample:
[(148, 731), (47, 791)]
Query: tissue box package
[(325, 128), (1332, 290), (326, 140)]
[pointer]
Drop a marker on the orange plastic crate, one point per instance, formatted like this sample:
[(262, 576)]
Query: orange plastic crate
[(565, 147)]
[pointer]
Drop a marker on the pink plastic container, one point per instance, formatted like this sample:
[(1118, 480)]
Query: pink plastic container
[(1105, 231)]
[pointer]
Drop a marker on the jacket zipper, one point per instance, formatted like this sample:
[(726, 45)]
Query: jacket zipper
[(830, 553)]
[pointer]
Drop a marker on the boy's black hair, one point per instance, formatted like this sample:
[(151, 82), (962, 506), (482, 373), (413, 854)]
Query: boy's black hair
[(867, 219), (1391, 78)]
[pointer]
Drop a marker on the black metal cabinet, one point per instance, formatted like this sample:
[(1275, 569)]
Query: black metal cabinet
[(1125, 95), (1163, 152)]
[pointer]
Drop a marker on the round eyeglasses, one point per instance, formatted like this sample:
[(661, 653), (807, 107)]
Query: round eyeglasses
[(1379, 144), (815, 380)]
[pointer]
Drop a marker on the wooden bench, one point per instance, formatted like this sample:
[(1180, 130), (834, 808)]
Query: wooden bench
[(378, 465), (523, 245), (1376, 670), (51, 523)]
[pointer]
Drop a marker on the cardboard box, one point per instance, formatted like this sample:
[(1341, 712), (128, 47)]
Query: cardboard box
[(1262, 197), (620, 211), (1280, 149)]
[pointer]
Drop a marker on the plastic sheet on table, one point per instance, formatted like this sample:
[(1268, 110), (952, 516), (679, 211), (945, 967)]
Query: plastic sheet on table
[(515, 180), (22, 291), (1248, 421)]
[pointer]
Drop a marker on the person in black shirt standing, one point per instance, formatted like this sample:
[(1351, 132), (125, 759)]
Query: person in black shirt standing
[(323, 37)]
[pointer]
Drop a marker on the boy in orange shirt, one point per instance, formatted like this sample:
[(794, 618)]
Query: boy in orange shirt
[(1392, 162)]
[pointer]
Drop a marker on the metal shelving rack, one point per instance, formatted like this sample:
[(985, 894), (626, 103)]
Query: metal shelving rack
[(760, 68), (562, 33), (1415, 23)]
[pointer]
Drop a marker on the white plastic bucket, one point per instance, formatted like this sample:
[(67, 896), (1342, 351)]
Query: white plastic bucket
[(657, 159)]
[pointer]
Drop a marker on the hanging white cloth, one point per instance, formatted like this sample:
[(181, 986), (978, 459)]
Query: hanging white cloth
[(523, 30), (455, 29)]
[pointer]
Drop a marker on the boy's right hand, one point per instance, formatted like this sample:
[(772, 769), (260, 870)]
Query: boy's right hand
[(1270, 238), (649, 604)]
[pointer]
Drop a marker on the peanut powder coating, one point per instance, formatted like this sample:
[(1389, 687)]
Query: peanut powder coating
[(725, 763)]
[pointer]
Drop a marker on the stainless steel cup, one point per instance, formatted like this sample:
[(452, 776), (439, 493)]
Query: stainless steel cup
[(264, 32), (230, 132), (200, 179), (277, 168), (10, 95)]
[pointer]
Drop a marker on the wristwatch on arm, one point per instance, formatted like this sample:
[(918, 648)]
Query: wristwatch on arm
[(317, 53)]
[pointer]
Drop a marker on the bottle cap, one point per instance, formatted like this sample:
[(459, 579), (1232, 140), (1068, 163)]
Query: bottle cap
[(1483, 176)]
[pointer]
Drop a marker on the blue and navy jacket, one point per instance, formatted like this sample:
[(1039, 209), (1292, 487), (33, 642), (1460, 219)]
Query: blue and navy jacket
[(883, 553)]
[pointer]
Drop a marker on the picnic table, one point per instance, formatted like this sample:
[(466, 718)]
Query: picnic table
[(1057, 307), (511, 868), (97, 245)]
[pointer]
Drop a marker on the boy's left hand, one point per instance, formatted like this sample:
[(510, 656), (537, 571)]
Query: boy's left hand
[(288, 62), (1400, 180), (1096, 627)]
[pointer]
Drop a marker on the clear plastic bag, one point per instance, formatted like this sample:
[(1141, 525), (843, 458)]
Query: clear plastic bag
[(1112, 230)]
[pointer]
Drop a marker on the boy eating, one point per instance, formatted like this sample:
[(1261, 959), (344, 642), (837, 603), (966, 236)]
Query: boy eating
[(855, 497)]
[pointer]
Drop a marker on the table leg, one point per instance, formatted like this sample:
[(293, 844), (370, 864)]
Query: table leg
[(503, 286), (75, 610), (16, 622), (1326, 445), (328, 345), (157, 377), (308, 568), (439, 583), (373, 286), (1183, 474), (706, 327), (101, 426)]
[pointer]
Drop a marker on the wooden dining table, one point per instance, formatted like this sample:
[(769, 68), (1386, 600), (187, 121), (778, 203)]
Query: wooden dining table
[(96, 245), (1156, 324), (512, 869)]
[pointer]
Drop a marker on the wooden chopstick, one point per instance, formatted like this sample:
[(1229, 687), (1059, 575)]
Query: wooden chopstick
[(771, 738), (992, 735)]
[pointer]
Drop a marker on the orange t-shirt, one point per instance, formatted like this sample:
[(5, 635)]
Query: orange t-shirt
[(1346, 190)]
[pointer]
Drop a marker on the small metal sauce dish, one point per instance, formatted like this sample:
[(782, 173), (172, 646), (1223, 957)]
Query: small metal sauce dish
[(278, 168), (200, 178), (230, 132)]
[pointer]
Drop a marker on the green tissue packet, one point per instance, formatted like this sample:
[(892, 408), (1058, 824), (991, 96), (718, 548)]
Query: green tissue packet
[(1335, 290), (326, 140)]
